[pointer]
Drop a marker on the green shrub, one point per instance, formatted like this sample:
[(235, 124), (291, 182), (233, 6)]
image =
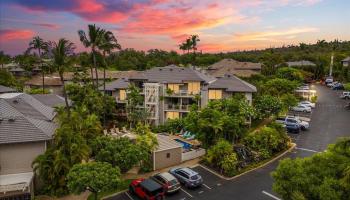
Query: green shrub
[(268, 140), (314, 99), (347, 86)]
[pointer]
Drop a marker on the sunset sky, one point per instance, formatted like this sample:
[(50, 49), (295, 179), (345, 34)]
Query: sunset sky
[(223, 25)]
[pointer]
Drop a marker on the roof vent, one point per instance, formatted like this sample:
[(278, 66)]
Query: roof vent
[(15, 101), (11, 119), (171, 69)]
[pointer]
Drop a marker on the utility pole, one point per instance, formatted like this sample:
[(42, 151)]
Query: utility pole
[(331, 66)]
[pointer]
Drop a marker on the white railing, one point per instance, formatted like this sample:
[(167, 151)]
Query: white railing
[(192, 154)]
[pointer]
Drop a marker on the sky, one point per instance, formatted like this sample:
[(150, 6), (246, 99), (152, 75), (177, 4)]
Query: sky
[(222, 25)]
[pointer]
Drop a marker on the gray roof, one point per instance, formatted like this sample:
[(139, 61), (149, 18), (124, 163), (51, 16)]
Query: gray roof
[(117, 84), (170, 74), (51, 100), (24, 119), (166, 143), (17, 69), (300, 63), (347, 59), (4, 89), (232, 83)]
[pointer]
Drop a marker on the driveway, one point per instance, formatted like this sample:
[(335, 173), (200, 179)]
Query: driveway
[(329, 120)]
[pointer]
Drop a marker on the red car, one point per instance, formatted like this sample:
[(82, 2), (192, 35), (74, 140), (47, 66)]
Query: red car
[(147, 189)]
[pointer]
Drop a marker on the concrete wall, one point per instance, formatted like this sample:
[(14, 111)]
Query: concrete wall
[(17, 158), (193, 154), (162, 161)]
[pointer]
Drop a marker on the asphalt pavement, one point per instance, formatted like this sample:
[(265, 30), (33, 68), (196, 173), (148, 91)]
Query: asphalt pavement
[(329, 121)]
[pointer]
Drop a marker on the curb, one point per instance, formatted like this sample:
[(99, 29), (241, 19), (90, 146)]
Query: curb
[(114, 194), (258, 167)]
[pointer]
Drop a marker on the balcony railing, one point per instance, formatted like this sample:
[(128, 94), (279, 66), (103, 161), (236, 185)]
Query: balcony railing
[(177, 107), (180, 93)]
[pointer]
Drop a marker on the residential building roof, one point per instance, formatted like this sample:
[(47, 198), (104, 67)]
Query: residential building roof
[(300, 63), (49, 81), (17, 69), (170, 74), (51, 100), (24, 119), (166, 143), (122, 83), (13, 182), (347, 59), (4, 89), (231, 83), (231, 66)]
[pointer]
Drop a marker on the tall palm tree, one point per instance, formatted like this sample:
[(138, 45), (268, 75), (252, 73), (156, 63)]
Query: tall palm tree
[(40, 46), (93, 40), (61, 52), (194, 40)]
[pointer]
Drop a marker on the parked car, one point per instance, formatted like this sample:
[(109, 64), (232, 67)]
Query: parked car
[(337, 86), (304, 87), (168, 181), (147, 189), (307, 103), (345, 95), (295, 120), (301, 108), (187, 176), (289, 120), (329, 80), (293, 128)]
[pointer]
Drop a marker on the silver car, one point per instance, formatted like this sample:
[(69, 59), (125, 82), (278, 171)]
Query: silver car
[(187, 176), (168, 181)]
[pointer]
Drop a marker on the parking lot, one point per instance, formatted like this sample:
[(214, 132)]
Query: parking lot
[(210, 183), (328, 121)]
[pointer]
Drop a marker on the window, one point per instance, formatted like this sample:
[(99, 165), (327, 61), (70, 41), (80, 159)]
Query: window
[(172, 115), (193, 87), (168, 155), (122, 95), (215, 94)]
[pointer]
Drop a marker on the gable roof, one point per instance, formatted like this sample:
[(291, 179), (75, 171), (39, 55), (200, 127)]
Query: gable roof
[(122, 83), (24, 119), (232, 83), (170, 74), (51, 100), (347, 59), (231, 66), (4, 89)]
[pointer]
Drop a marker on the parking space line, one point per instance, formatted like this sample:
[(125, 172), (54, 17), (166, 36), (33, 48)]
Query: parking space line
[(303, 149), (186, 192), (127, 194), (206, 186), (270, 195)]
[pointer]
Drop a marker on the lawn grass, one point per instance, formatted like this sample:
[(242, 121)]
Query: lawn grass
[(122, 186)]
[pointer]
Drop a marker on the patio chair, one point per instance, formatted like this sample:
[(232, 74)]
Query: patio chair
[(191, 137)]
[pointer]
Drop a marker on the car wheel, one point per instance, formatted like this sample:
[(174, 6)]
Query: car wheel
[(131, 190)]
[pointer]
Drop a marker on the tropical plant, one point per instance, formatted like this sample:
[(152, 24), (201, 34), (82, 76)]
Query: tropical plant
[(4, 59), (267, 105), (135, 113), (61, 52), (194, 40), (40, 46), (93, 39), (93, 176)]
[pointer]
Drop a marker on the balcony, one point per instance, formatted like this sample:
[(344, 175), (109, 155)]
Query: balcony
[(177, 107), (179, 93), (118, 100)]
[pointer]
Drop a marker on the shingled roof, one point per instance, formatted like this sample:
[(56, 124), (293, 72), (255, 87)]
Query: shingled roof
[(4, 89), (51, 100), (347, 59), (24, 119), (232, 83), (300, 63), (170, 74), (122, 83)]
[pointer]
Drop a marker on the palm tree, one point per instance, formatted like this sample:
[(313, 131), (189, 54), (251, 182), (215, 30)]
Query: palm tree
[(194, 40), (94, 39), (61, 52), (38, 44)]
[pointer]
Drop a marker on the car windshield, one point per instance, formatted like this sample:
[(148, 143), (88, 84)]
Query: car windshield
[(173, 182)]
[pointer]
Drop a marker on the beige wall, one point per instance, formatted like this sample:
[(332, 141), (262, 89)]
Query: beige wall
[(161, 161), (17, 158)]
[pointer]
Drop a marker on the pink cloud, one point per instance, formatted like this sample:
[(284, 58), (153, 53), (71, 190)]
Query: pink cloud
[(15, 34)]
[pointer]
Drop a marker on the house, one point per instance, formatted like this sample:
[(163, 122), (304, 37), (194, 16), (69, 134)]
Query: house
[(231, 66), (170, 91), (26, 128), (346, 62), (52, 83), (168, 153), (301, 63), (18, 71), (4, 89), (228, 85)]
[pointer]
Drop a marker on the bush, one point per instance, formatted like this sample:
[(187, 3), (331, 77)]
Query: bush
[(347, 86), (268, 140), (37, 91), (314, 99), (221, 156)]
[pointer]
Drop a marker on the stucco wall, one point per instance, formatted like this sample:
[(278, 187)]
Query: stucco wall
[(161, 161), (17, 158)]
